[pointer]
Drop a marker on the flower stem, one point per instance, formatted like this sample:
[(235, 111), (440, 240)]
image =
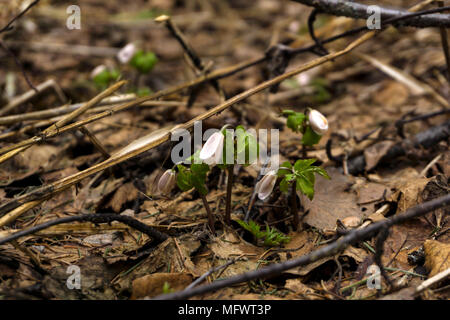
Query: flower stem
[(230, 170), (208, 211), (294, 209)]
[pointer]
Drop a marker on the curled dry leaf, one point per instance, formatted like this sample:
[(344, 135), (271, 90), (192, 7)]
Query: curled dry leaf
[(351, 222), (437, 256)]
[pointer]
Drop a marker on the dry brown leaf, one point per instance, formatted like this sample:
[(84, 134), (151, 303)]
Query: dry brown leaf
[(374, 153), (298, 287), (124, 194), (437, 256), (332, 201), (392, 96), (152, 285), (409, 193), (165, 258)]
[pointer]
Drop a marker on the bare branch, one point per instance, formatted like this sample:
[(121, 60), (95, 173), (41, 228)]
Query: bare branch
[(359, 11)]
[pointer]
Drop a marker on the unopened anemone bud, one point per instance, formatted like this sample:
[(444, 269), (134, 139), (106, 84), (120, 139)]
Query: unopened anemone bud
[(167, 181), (99, 69), (126, 53), (265, 186), (318, 122), (212, 150)]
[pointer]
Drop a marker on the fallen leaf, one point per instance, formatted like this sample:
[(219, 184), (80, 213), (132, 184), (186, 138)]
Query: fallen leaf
[(333, 200), (152, 285), (124, 194), (437, 256), (375, 153)]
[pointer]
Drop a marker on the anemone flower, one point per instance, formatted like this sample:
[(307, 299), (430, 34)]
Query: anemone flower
[(318, 122), (167, 181), (265, 186), (126, 53), (212, 150)]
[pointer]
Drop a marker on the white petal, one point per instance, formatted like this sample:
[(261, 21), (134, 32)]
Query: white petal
[(126, 53), (167, 181), (211, 146), (318, 122), (99, 69), (265, 186)]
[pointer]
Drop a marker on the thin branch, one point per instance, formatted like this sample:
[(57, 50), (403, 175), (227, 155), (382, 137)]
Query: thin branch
[(359, 11), (157, 237), (352, 237), (95, 141), (19, 65), (8, 27)]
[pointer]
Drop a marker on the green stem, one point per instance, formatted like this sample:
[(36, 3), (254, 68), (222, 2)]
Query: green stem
[(294, 209), (230, 170), (208, 211)]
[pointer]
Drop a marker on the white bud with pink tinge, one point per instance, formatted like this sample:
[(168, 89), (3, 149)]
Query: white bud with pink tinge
[(99, 69), (265, 186), (212, 150), (126, 53), (318, 122), (167, 181)]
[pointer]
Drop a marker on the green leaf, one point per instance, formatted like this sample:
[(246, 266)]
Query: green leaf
[(246, 146), (104, 78), (200, 169), (295, 121), (305, 186), (199, 184), (143, 61), (320, 171), (284, 185), (301, 165), (184, 178), (310, 138), (290, 177), (288, 112)]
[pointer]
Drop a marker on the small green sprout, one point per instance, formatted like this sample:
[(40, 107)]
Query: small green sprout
[(313, 125), (143, 61), (103, 77), (301, 175), (166, 288), (270, 236), (195, 177)]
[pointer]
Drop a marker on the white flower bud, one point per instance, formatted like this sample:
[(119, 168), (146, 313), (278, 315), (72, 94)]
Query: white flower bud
[(167, 181), (99, 69), (212, 150), (265, 186), (126, 53), (318, 122)]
